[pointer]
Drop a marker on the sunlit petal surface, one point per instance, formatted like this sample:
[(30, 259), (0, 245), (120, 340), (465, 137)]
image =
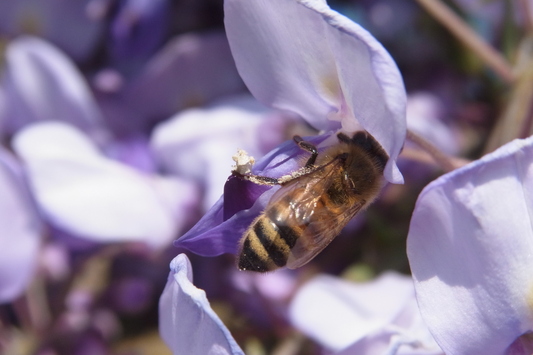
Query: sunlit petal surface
[(19, 231), (90, 196), (362, 318), (304, 57), (186, 321), (470, 248)]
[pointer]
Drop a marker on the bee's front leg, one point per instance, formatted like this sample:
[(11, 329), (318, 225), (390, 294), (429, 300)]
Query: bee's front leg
[(257, 179), (309, 147)]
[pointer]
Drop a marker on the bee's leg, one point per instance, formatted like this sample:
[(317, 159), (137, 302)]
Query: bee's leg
[(309, 147), (258, 179)]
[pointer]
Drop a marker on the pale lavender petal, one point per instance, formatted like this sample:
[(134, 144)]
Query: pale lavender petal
[(190, 70), (351, 312), (186, 321), (186, 148), (20, 231), (303, 57), (64, 23), (470, 248), (92, 197), (41, 83)]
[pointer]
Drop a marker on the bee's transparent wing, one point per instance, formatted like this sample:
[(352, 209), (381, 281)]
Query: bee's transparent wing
[(301, 196), (319, 233)]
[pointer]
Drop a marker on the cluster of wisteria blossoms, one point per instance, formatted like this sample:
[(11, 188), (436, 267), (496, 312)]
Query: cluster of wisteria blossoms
[(118, 124)]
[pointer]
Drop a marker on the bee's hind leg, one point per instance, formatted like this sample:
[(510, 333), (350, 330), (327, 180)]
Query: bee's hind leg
[(309, 147)]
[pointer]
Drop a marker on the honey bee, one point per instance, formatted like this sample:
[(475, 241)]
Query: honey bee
[(314, 203)]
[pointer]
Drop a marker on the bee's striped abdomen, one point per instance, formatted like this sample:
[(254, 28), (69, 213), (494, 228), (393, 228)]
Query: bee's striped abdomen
[(267, 244)]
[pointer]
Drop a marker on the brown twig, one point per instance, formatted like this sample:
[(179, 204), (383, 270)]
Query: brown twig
[(469, 38), (446, 162)]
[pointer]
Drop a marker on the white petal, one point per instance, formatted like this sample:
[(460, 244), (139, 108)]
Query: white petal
[(96, 198)]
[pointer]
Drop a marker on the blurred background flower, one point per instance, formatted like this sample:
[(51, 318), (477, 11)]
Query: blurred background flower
[(118, 122)]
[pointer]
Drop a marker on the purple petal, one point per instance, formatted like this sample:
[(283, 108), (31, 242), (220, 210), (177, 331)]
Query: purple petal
[(221, 228), (137, 30), (303, 57), (471, 252), (20, 231), (190, 71), (186, 321), (41, 83), (90, 196)]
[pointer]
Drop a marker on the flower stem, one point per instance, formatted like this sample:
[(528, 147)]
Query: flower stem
[(525, 7), (33, 309), (446, 162), (516, 119), (469, 38)]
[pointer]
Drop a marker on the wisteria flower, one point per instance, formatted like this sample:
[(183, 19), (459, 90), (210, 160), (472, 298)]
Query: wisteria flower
[(41, 83), (303, 57), (20, 230), (87, 195), (186, 321), (377, 317), (470, 248)]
